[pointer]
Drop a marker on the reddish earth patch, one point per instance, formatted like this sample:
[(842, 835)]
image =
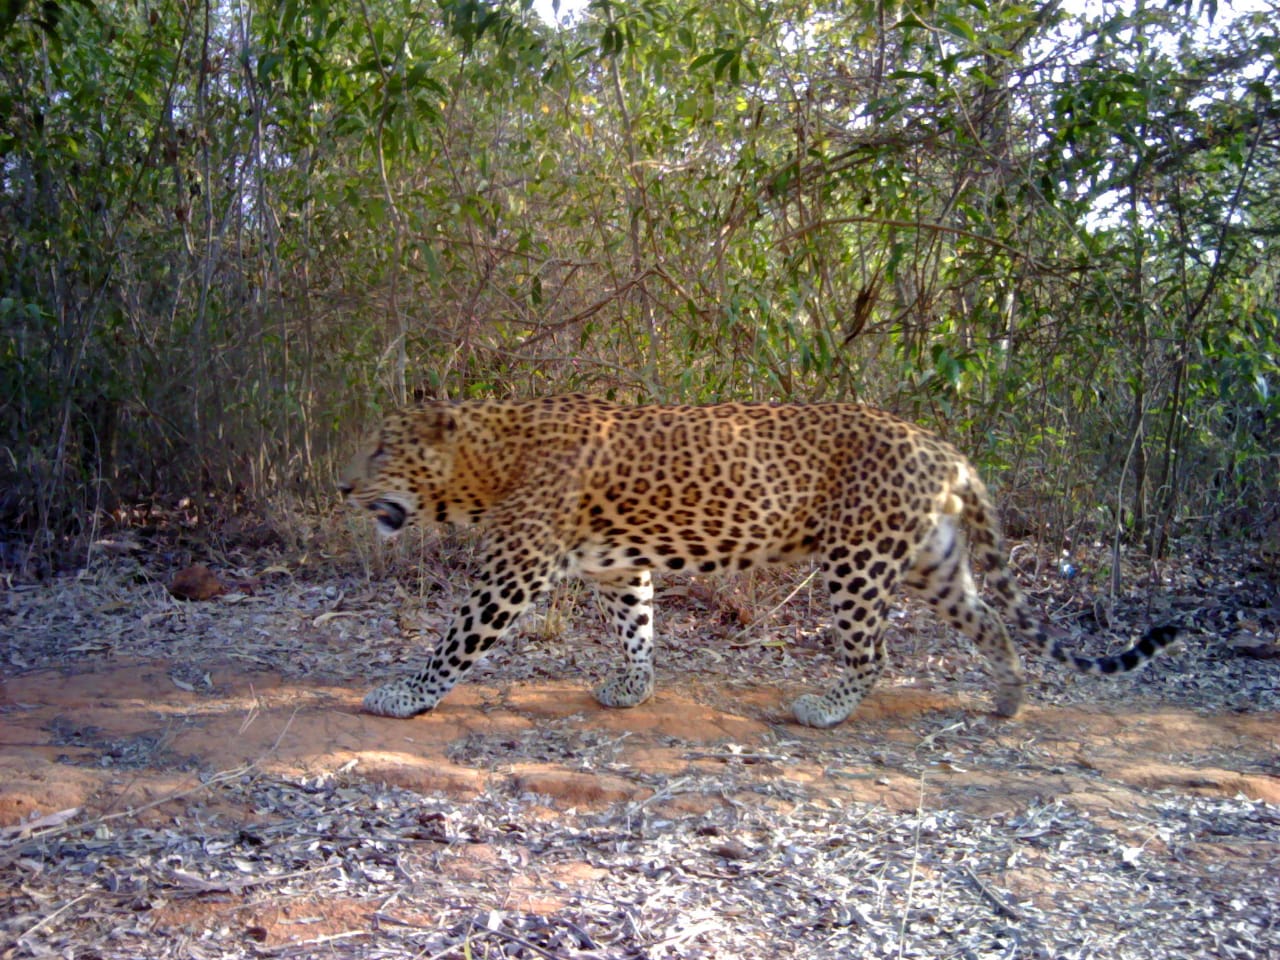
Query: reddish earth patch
[(116, 735)]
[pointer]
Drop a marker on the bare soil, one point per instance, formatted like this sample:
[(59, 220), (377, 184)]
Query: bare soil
[(196, 779)]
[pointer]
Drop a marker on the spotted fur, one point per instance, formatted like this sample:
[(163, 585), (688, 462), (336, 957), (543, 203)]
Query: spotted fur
[(577, 486)]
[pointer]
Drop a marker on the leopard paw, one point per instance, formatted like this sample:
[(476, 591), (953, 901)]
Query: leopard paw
[(1008, 700), (625, 689), (815, 711), (400, 699)]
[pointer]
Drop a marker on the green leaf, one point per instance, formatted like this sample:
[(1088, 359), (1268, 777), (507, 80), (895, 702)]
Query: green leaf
[(958, 27)]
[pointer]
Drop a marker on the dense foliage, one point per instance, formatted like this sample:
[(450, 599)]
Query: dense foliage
[(231, 232)]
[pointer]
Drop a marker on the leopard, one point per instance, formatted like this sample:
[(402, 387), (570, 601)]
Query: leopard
[(578, 486)]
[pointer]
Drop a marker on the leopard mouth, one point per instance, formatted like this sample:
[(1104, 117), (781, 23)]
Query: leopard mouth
[(391, 516)]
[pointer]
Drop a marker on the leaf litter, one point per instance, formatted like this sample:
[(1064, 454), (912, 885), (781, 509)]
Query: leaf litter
[(1031, 839)]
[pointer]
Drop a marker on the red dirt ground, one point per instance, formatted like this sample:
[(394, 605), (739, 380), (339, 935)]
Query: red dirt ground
[(62, 728)]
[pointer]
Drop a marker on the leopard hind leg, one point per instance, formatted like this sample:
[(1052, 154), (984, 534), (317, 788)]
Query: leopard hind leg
[(942, 576), (628, 605), (859, 602)]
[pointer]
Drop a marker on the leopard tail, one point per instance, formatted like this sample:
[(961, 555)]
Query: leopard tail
[(979, 515)]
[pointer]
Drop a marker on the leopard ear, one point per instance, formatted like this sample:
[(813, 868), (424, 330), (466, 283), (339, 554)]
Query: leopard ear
[(435, 422)]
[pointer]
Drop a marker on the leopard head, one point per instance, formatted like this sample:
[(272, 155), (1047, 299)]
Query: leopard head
[(409, 464)]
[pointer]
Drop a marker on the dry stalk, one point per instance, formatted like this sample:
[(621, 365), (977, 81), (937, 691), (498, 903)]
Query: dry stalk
[(911, 878), (737, 639)]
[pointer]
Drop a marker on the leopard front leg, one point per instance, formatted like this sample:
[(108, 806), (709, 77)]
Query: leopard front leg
[(469, 636), (628, 603), (487, 614)]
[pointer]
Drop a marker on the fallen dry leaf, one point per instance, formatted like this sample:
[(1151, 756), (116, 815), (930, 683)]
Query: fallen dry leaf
[(196, 582)]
